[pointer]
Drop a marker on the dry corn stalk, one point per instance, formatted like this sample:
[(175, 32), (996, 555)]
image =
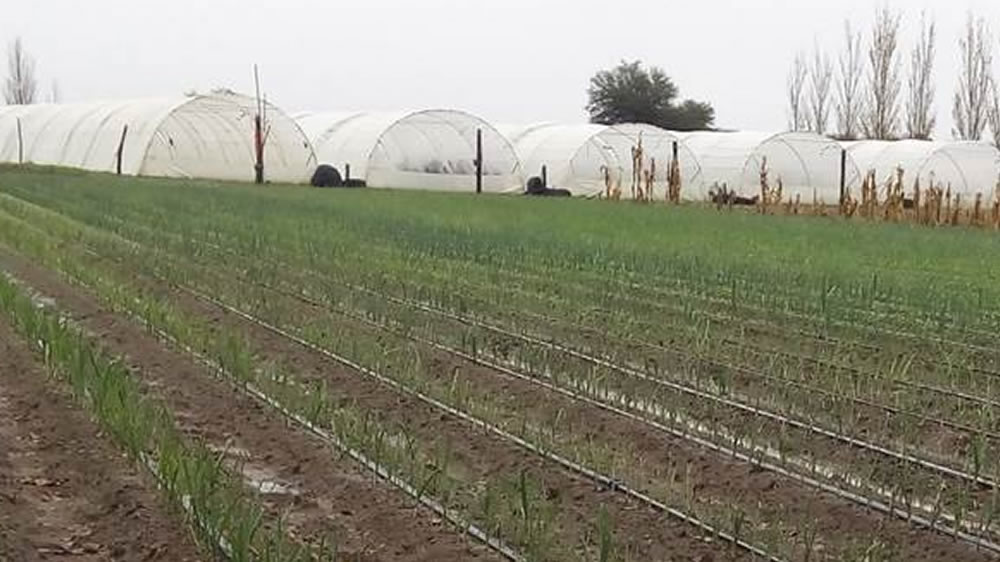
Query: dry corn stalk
[(916, 198), (849, 206), (869, 195), (957, 210), (798, 202), (977, 210), (674, 182), (893, 209), (768, 195), (650, 180), (995, 218), (637, 168)]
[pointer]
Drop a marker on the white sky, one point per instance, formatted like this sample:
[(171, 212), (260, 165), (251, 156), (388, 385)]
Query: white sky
[(507, 60)]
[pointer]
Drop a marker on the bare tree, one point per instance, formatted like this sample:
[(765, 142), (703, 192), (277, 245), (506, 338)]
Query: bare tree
[(820, 84), (994, 112), (972, 97), (881, 118), (797, 98), (850, 94), (20, 87), (920, 115)]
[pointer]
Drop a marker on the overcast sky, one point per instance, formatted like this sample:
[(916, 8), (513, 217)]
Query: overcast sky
[(514, 61)]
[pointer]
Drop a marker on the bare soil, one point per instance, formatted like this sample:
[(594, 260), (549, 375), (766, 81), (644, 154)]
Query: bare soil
[(66, 493), (321, 493)]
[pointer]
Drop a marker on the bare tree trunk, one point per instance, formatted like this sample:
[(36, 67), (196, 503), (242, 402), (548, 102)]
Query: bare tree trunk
[(820, 84), (881, 120), (850, 94), (994, 112), (920, 116), (797, 114), (20, 87), (972, 97)]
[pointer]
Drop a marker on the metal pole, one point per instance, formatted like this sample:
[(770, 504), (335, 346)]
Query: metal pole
[(479, 160), (843, 178), (545, 176), (20, 143), (121, 151)]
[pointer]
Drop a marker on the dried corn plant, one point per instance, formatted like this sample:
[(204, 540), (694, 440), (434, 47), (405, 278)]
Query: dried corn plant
[(608, 183), (957, 210), (869, 195), (674, 182), (977, 211), (650, 180), (849, 205), (768, 195), (892, 210), (637, 168), (995, 214)]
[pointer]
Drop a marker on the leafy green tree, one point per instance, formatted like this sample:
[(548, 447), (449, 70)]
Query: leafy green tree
[(630, 93)]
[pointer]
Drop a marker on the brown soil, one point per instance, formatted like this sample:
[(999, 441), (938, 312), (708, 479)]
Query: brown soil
[(65, 492), (212, 411), (320, 492), (716, 476)]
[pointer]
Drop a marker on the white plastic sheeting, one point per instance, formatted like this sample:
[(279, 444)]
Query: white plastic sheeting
[(807, 164), (967, 168), (576, 157), (431, 149), (205, 136)]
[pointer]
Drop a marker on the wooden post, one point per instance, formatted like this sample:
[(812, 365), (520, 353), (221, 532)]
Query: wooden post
[(674, 150), (20, 143), (258, 166), (258, 131), (479, 160), (545, 176), (843, 178), (121, 151), (347, 172)]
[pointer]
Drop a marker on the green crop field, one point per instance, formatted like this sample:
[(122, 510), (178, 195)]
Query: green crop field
[(553, 379)]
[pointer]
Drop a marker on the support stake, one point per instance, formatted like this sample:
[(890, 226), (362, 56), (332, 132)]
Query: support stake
[(121, 151), (479, 160), (545, 176), (20, 143), (843, 178)]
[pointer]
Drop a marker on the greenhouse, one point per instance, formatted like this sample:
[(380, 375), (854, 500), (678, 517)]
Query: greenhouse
[(202, 136), (967, 168), (806, 164), (577, 157), (433, 149)]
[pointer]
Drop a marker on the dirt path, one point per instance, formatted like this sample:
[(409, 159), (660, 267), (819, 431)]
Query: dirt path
[(321, 493), (66, 493)]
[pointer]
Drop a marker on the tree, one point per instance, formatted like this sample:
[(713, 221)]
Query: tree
[(20, 87), (630, 93), (820, 84), (994, 112), (881, 118), (920, 115), (972, 97), (850, 93), (797, 98)]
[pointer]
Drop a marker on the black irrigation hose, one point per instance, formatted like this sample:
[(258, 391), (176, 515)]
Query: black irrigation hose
[(859, 499), (607, 481), (253, 392), (861, 444)]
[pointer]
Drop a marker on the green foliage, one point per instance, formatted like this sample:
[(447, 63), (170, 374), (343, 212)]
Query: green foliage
[(630, 93)]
